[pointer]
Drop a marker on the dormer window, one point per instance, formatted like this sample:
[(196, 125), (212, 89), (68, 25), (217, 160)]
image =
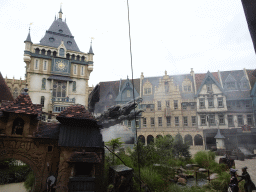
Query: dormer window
[(209, 87), (231, 85), (61, 52), (128, 93)]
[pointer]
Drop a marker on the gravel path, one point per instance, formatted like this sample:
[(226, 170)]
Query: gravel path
[(13, 187)]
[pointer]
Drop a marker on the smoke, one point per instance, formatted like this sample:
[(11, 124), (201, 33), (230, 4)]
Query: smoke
[(116, 131)]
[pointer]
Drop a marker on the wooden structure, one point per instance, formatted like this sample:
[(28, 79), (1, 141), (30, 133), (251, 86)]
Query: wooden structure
[(72, 150)]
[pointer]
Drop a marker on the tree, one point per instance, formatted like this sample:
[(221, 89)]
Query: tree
[(114, 144)]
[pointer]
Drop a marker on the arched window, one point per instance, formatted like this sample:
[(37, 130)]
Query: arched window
[(74, 86), (178, 138), (198, 140), (150, 139), (42, 101), (15, 93), (43, 83), (188, 139), (17, 127), (141, 138), (62, 52)]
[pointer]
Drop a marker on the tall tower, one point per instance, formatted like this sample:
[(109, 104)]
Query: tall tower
[(57, 72)]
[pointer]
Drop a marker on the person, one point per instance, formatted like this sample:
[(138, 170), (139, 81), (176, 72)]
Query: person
[(50, 182), (233, 184), (248, 184)]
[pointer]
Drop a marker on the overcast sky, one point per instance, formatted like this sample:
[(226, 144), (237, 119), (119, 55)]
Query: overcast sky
[(166, 35)]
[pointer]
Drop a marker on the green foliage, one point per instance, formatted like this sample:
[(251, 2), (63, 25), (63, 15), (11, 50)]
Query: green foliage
[(204, 158), (114, 144), (14, 174), (153, 179), (221, 183), (30, 180), (6, 163)]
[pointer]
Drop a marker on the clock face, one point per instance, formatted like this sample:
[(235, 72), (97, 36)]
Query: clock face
[(61, 65)]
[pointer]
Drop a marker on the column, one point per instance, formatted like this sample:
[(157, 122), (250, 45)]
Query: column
[(67, 87)]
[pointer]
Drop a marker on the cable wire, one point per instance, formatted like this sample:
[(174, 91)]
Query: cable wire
[(138, 147)]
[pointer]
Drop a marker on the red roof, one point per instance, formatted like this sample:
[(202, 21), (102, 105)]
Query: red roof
[(200, 78), (76, 111), (4, 90), (22, 104)]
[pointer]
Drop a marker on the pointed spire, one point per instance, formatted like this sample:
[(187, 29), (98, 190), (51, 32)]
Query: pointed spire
[(218, 135), (91, 51), (28, 37), (60, 13)]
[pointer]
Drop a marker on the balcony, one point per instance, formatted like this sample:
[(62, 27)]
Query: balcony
[(63, 99)]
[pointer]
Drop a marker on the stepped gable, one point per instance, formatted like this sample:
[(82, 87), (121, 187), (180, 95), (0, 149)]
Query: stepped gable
[(200, 78), (4, 90), (76, 112), (22, 104), (48, 130)]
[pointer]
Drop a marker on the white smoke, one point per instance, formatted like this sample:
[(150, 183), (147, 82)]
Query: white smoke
[(117, 131)]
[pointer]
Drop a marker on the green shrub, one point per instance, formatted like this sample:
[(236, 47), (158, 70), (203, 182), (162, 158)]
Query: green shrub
[(30, 180), (204, 158), (221, 183), (152, 178)]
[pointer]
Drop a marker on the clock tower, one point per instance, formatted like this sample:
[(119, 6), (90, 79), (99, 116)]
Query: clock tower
[(57, 72)]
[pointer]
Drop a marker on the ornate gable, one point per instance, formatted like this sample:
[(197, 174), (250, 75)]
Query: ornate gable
[(207, 85)]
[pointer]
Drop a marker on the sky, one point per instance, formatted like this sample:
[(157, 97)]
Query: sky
[(165, 35)]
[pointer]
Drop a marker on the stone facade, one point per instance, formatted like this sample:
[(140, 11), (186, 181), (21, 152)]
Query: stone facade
[(192, 105), (57, 72)]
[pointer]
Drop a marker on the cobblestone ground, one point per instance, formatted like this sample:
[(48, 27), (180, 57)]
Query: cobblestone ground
[(13, 187), (251, 164)]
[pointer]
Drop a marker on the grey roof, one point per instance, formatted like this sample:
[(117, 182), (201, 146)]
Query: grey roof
[(60, 78), (91, 51), (236, 76), (218, 135), (28, 37), (58, 35)]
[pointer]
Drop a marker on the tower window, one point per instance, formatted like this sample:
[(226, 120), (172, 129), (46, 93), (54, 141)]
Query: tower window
[(36, 64), (45, 65), (42, 101), (61, 52), (43, 83), (74, 86), (75, 69), (82, 70)]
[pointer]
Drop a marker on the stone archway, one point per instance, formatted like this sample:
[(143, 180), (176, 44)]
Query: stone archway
[(188, 139), (150, 139), (142, 139), (198, 139), (38, 179)]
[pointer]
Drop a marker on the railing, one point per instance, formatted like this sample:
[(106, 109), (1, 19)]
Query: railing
[(63, 99)]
